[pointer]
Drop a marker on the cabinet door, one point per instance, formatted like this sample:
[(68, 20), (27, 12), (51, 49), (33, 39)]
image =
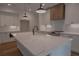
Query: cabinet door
[(57, 12), (8, 19)]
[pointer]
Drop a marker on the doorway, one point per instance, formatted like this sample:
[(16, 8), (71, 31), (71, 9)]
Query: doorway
[(24, 25)]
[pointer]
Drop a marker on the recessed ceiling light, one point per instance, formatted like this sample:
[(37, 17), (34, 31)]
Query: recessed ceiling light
[(9, 4)]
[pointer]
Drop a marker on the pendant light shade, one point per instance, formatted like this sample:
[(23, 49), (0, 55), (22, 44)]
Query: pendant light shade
[(25, 16), (41, 9)]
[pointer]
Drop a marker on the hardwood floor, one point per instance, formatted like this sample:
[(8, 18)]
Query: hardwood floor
[(10, 49)]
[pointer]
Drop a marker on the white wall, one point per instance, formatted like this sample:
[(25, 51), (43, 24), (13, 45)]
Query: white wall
[(44, 18)]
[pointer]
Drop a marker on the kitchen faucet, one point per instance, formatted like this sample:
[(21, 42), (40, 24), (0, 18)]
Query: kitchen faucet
[(35, 29)]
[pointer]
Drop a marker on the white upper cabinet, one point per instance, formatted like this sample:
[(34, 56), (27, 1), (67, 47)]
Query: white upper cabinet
[(7, 19), (72, 13)]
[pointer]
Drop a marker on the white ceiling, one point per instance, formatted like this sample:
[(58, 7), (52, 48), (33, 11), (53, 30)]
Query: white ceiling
[(19, 7)]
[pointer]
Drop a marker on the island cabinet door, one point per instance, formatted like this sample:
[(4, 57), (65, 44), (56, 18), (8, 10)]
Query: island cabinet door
[(64, 50), (23, 50)]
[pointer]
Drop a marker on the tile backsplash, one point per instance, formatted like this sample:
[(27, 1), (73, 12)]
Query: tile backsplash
[(57, 24)]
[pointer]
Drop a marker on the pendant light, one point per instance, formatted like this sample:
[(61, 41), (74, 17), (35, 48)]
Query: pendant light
[(25, 16), (41, 9)]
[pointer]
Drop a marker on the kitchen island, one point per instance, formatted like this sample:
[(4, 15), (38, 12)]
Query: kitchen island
[(42, 44)]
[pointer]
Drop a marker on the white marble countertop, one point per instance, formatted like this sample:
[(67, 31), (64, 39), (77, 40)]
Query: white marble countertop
[(40, 44), (70, 33)]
